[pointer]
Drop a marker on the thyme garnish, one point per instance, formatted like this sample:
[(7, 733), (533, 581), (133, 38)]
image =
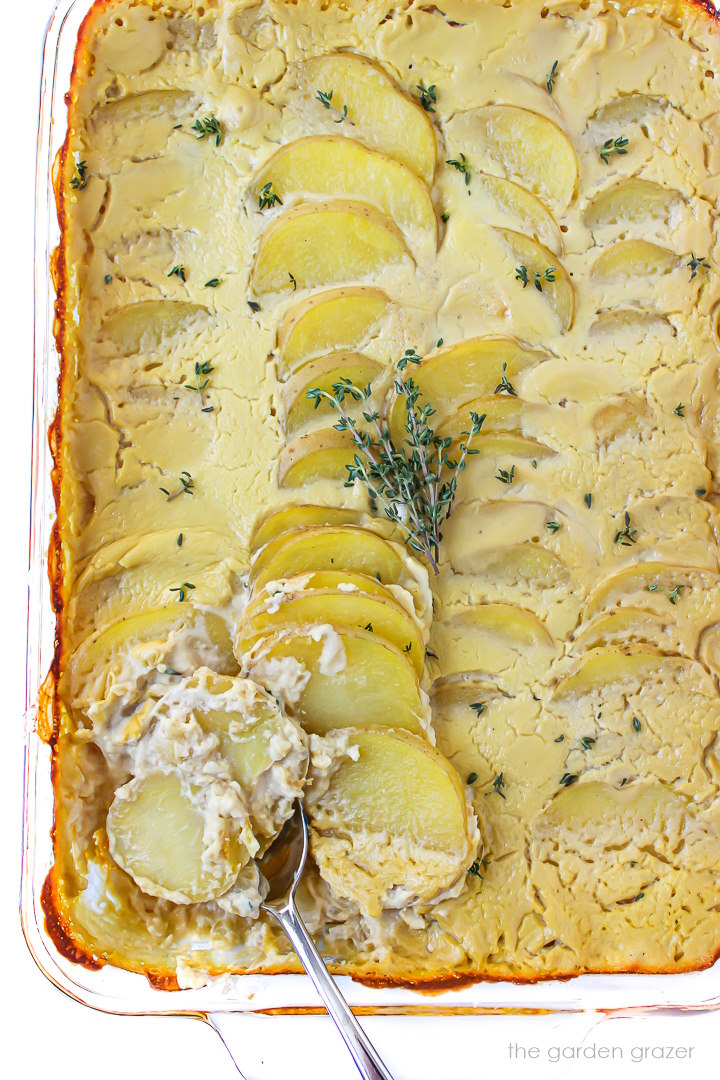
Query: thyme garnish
[(504, 476), (613, 146), (178, 271), (587, 742), (475, 869), (199, 387), (179, 540), (696, 262), (521, 274), (636, 724), (445, 216), (408, 647), (108, 279), (472, 778), (505, 386), (567, 779), (416, 482), (462, 165), (679, 410), (208, 126), (428, 96), (626, 536), (553, 526), (186, 487), (213, 283), (325, 98), (478, 707), (587, 499), (497, 785), (293, 282), (559, 738), (368, 626), (254, 306), (268, 197), (552, 77), (79, 180), (673, 595), (180, 589), (700, 492)]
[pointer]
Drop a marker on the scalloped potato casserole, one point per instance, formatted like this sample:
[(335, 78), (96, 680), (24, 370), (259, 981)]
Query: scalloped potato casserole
[(306, 246)]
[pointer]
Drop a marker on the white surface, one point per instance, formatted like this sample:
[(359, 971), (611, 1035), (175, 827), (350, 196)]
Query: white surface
[(52, 1035)]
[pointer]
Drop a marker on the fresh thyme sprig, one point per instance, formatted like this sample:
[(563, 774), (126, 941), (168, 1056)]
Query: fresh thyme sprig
[(199, 387), (613, 146), (428, 97), (696, 262), (209, 126), (521, 274), (462, 165), (268, 197), (627, 536), (181, 590), (79, 180), (673, 595), (187, 485), (325, 98), (505, 386), (179, 272), (415, 483), (552, 77)]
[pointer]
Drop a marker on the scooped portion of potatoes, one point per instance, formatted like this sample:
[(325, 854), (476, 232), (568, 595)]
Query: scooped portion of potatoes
[(176, 839), (391, 826)]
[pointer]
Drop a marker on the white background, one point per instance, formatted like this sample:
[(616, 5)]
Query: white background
[(45, 1033)]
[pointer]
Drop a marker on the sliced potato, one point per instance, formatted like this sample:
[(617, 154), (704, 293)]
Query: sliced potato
[(629, 664), (559, 293), (650, 579), (506, 444), (322, 374), (174, 842), (324, 243), (631, 259), (458, 374), (377, 687), (340, 547), (489, 637), (147, 324), (337, 580), (507, 205), (336, 167), (337, 319), (388, 619), (379, 110), (634, 199), (393, 827), (167, 636), (619, 627), (298, 515), (501, 411), (519, 144), (320, 455)]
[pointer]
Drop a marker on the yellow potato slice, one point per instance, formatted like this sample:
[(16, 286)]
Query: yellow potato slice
[(489, 637), (336, 167), (147, 324), (507, 444), (654, 580), (156, 828), (631, 200), (320, 455), (456, 374), (619, 627), (521, 145), (301, 516), (507, 205), (630, 259), (630, 664), (380, 112), (201, 633), (389, 620), (377, 687), (392, 827), (323, 373), (337, 580), (336, 319), (340, 547), (559, 293), (325, 243), (501, 411)]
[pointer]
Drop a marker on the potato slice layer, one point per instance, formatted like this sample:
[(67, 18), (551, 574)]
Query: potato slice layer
[(322, 374), (340, 547), (336, 319)]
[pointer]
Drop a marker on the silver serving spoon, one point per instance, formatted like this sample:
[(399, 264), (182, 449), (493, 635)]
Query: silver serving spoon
[(282, 866)]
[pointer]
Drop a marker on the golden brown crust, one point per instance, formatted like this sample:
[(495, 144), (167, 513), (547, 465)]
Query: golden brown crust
[(59, 929)]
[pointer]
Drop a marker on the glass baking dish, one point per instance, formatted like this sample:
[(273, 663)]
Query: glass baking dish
[(116, 991)]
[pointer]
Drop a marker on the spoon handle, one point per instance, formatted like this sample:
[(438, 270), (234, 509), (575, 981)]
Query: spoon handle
[(364, 1054)]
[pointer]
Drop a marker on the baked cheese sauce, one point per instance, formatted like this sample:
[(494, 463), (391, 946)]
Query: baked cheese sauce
[(259, 198)]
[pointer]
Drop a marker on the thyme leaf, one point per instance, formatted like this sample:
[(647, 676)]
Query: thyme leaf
[(325, 98), (548, 275), (504, 476), (428, 97), (626, 536), (268, 197), (462, 165), (186, 487), (550, 82), (79, 180), (181, 590), (497, 785), (179, 272), (208, 126), (696, 263), (199, 387), (505, 386), (613, 146), (479, 707)]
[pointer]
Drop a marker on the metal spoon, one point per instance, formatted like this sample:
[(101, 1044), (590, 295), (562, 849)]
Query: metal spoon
[(282, 866)]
